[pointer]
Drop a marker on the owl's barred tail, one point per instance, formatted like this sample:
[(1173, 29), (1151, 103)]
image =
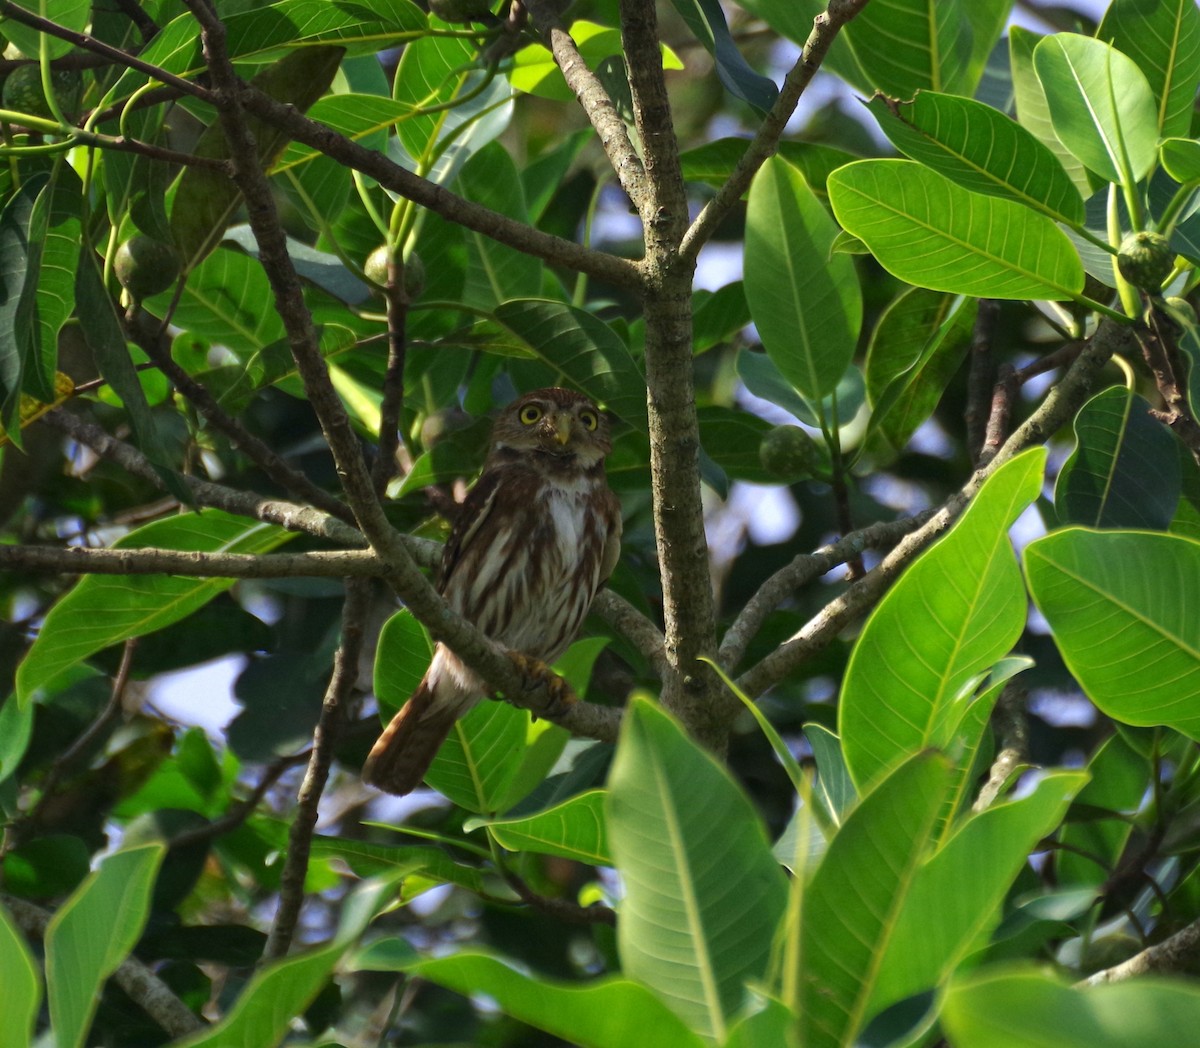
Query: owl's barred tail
[(399, 760)]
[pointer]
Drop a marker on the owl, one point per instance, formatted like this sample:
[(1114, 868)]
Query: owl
[(533, 541)]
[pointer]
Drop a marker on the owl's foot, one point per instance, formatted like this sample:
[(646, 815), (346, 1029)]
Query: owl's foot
[(559, 694)]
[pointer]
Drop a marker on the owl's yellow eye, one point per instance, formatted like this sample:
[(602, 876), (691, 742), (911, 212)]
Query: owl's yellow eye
[(589, 420), (530, 413)]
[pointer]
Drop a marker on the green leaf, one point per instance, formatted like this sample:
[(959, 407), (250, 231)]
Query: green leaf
[(574, 829), (1163, 38), (477, 763), (1119, 602), (1181, 159), (975, 868), (980, 149), (915, 350), (16, 725), (581, 351), (1015, 1008), (103, 610), (92, 934), (806, 305), (930, 232), (692, 924), (1100, 104), (834, 788), (56, 216), (706, 20), (1033, 112), (956, 610), (222, 303), (419, 867), (598, 1014), (713, 162), (849, 917), (401, 658), (72, 14), (1123, 472), (22, 986), (497, 272), (18, 290)]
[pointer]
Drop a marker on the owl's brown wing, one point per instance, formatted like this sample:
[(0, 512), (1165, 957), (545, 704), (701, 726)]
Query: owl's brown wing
[(475, 509)]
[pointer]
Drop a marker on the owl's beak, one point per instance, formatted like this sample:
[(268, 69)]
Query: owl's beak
[(562, 429)]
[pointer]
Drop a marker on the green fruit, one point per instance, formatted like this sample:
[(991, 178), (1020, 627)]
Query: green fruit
[(146, 266), (788, 452), (1145, 260), (23, 91), (375, 268), (460, 11)]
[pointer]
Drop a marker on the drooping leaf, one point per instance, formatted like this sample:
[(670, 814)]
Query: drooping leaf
[(706, 20), (930, 232), (806, 305), (1123, 472), (574, 829), (956, 610), (692, 925), (18, 315), (92, 933), (22, 985), (1101, 106), (595, 1014), (1117, 602)]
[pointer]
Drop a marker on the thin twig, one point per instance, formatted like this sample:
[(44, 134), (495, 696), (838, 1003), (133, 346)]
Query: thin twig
[(391, 406), (560, 909), (1157, 339), (79, 560), (144, 988), (345, 674), (981, 376), (826, 27), (1013, 733), (1177, 954)]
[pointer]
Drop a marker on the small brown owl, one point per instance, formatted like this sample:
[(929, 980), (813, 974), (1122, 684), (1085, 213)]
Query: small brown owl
[(535, 538)]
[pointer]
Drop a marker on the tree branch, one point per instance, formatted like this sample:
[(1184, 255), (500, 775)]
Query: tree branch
[(1056, 410), (345, 674), (144, 988), (593, 98), (800, 572), (826, 27), (504, 230), (1178, 953)]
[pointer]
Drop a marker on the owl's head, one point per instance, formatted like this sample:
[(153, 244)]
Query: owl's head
[(557, 425)]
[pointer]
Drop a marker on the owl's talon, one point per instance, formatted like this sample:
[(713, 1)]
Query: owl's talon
[(559, 694)]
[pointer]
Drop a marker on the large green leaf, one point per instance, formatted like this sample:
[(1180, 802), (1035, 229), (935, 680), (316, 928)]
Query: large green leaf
[(703, 894), (955, 900), (982, 150), (92, 934), (222, 303), (1163, 38), (856, 896), (401, 657), (930, 232), (806, 304), (952, 614), (18, 289), (574, 829), (103, 610), (1032, 111), (1121, 605), (1100, 104), (600, 1014), (575, 348), (59, 227), (1020, 1008), (915, 349), (1123, 472), (22, 986), (477, 763), (16, 726), (73, 14)]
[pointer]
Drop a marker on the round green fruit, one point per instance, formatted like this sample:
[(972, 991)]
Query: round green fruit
[(376, 270), (788, 452), (1145, 260), (23, 91), (146, 266)]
